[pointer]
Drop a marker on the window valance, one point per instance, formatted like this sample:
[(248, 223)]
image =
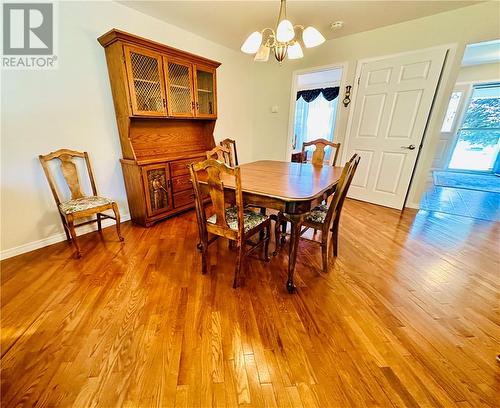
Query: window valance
[(310, 95)]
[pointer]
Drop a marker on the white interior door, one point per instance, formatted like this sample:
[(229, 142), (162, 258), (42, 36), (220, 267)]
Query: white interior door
[(452, 120), (392, 105)]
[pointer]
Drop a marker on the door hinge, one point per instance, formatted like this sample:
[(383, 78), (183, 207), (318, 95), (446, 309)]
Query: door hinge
[(359, 79)]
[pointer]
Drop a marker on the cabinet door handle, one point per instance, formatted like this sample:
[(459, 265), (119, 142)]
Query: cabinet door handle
[(164, 103)]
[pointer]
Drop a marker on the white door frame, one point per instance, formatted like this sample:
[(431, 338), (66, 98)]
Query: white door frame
[(450, 48), (291, 119)]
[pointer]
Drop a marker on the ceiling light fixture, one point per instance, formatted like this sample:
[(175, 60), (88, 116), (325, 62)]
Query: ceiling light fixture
[(287, 39)]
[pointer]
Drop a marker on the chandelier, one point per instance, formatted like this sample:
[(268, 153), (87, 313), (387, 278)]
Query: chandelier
[(287, 39)]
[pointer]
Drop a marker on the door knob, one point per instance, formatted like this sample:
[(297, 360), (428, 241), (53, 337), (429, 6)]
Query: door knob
[(410, 147)]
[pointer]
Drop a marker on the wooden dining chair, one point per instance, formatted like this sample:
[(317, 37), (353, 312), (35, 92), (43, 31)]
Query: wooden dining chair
[(326, 217), (226, 153), (318, 157), (235, 223), (230, 145), (79, 205)]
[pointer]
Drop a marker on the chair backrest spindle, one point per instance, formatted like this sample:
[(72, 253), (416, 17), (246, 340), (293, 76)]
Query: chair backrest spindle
[(221, 154)]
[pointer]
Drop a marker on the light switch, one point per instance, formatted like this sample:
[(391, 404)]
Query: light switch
[(274, 109)]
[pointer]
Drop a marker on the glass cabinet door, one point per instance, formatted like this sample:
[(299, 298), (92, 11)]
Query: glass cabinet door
[(206, 103), (145, 78), (180, 88), (156, 178)]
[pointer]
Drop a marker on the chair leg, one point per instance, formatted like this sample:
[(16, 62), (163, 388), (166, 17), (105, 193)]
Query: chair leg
[(261, 233), (266, 242), (71, 226), (324, 250), (65, 227), (204, 259), (117, 216), (283, 232), (335, 237), (99, 223), (239, 261)]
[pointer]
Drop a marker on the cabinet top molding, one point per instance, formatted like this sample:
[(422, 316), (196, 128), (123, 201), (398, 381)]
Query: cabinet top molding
[(114, 35)]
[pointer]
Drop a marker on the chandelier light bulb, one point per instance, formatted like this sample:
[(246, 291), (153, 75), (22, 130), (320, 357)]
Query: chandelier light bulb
[(295, 51), (252, 43), (285, 32), (312, 37)]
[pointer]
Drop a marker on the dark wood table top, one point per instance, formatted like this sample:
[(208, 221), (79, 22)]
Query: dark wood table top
[(290, 182)]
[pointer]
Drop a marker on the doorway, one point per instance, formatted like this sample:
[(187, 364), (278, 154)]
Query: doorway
[(314, 109), (477, 139), (465, 174)]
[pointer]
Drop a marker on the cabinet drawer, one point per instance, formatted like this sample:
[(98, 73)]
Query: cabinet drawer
[(181, 183), (184, 198), (180, 167)]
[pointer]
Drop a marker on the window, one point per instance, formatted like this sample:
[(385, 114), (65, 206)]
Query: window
[(314, 120), (478, 137)]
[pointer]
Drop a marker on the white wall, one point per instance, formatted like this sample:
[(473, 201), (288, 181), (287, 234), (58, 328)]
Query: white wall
[(462, 26), (72, 107)]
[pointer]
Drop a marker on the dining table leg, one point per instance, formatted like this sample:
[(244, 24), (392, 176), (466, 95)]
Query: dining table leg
[(296, 221)]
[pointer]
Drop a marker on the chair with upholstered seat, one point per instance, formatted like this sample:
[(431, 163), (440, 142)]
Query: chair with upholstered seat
[(79, 205), (235, 223), (318, 159), (226, 153), (326, 217), (318, 156)]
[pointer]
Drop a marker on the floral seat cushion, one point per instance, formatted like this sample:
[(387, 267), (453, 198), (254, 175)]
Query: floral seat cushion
[(251, 219), (318, 214), (83, 203)]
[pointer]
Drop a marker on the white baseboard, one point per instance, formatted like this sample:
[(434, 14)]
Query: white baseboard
[(53, 239), (415, 206)]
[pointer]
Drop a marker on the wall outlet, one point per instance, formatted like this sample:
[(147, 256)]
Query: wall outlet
[(274, 109)]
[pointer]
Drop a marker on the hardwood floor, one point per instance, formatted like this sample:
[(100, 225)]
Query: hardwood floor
[(406, 316), (459, 201)]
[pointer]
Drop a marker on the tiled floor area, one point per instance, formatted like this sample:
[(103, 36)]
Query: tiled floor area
[(459, 201)]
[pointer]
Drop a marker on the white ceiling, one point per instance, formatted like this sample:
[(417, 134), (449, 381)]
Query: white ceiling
[(230, 22), (482, 53)]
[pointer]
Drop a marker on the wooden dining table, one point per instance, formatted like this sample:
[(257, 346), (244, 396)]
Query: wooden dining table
[(292, 188)]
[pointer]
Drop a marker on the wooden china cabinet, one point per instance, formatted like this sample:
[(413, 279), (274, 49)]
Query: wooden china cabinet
[(166, 107)]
